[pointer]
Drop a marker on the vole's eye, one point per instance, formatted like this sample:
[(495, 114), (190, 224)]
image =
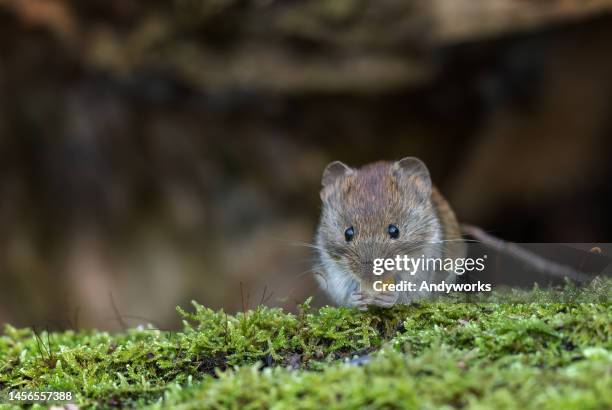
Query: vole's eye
[(349, 233), (393, 231)]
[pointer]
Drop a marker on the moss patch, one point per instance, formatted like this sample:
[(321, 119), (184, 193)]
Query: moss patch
[(427, 355)]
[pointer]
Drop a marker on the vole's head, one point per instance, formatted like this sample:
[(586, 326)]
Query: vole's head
[(378, 211)]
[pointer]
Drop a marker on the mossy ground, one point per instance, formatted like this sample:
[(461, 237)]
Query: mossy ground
[(536, 355)]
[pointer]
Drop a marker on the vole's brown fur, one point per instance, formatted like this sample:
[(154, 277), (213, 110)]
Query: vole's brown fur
[(369, 199)]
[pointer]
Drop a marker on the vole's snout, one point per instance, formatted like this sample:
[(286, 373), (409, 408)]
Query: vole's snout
[(363, 268), (367, 268)]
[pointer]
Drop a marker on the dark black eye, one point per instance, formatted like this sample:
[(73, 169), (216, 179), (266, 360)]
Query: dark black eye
[(393, 231), (349, 233)]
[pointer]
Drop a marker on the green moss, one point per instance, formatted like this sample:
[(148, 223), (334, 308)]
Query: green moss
[(440, 377), (428, 355)]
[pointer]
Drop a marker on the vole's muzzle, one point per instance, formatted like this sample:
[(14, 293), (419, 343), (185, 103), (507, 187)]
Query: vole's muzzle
[(367, 268)]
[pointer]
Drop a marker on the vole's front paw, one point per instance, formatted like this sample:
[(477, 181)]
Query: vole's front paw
[(360, 300), (385, 299)]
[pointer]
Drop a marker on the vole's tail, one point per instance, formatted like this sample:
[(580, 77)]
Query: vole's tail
[(535, 261)]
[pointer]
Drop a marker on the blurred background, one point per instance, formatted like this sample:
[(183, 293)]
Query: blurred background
[(155, 152)]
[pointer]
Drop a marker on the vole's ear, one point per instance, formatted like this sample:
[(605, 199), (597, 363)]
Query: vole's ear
[(415, 173), (334, 171)]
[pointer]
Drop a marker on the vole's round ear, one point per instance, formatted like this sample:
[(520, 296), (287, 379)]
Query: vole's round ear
[(333, 171), (415, 172)]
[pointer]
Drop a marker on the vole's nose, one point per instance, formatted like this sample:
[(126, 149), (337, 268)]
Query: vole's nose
[(367, 268), (367, 263)]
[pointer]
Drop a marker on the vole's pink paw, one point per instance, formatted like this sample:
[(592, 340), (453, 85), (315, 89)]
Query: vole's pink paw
[(360, 300)]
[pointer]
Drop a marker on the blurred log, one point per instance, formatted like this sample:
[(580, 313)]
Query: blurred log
[(457, 21), (287, 47)]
